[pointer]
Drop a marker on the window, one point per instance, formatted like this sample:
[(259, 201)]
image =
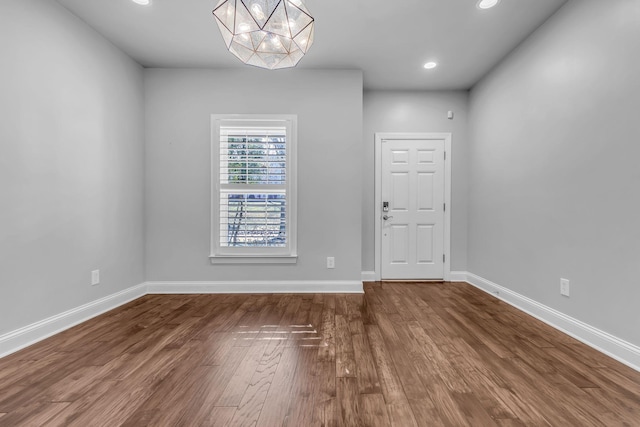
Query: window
[(254, 189)]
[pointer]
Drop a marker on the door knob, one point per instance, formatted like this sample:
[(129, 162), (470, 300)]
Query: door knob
[(386, 217)]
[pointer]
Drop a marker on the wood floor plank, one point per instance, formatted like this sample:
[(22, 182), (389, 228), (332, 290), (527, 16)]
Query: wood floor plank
[(368, 311), (301, 316), (345, 356), (401, 415), (327, 348), (38, 387), (426, 411), (475, 413), (34, 414), (253, 399), (204, 403), (368, 382), (488, 387), (373, 410), (255, 394), (436, 359), (268, 311), (217, 346), (143, 398), (167, 406), (326, 379), (24, 373), (276, 405), (382, 291), (618, 411), (219, 416), (510, 423), (523, 396), (402, 354), (349, 412), (215, 319), (481, 332), (326, 413), (71, 387), (232, 320), (315, 315), (84, 406), (69, 339), (304, 389), (584, 414), (389, 380), (447, 407), (238, 383), (342, 308)]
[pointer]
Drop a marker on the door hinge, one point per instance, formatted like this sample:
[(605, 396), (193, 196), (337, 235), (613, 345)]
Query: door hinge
[(443, 257), (444, 206), (445, 155)]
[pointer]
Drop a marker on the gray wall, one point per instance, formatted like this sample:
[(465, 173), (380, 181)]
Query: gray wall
[(179, 104), (401, 111), (554, 167), (71, 164)]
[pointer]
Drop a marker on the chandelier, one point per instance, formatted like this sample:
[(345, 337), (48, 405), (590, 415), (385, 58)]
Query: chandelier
[(266, 33)]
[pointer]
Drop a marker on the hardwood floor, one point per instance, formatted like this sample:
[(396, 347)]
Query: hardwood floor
[(403, 354)]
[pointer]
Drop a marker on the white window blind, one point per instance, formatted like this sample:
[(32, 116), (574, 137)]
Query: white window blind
[(253, 179), (253, 193)]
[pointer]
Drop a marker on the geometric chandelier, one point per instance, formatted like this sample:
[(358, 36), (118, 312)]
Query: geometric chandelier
[(266, 33)]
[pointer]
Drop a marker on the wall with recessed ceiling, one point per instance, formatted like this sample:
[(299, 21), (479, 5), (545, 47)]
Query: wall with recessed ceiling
[(554, 171), (417, 111), (179, 104), (71, 164)]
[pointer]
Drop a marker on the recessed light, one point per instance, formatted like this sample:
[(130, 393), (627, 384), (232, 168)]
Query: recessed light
[(430, 65), (487, 4), (142, 2)]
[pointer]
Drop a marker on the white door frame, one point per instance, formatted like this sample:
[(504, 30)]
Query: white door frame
[(380, 136)]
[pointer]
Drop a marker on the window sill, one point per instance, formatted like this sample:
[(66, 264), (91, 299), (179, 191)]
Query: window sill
[(253, 259)]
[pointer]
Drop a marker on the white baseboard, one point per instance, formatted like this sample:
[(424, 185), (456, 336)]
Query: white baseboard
[(368, 276), (618, 349), (458, 276), (454, 276), (257, 287), (31, 334)]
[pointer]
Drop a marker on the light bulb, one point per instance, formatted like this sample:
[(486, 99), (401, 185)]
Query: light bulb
[(430, 65), (487, 4), (142, 2), (257, 11)]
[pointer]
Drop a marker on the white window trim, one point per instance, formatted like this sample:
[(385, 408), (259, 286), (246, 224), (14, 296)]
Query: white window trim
[(286, 255)]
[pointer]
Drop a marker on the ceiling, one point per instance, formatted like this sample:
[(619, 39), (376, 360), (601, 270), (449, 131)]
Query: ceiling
[(389, 40)]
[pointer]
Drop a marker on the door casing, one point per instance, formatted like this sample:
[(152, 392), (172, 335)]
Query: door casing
[(379, 137)]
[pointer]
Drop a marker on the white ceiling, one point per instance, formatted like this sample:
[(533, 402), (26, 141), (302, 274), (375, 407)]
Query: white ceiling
[(389, 40)]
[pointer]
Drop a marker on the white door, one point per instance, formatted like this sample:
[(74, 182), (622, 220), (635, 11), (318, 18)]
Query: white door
[(412, 210)]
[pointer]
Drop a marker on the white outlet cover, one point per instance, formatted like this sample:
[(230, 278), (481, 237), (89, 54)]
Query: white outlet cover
[(565, 287), (95, 277)]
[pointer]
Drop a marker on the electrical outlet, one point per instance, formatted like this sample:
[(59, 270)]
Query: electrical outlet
[(331, 262), (95, 277), (564, 287)]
